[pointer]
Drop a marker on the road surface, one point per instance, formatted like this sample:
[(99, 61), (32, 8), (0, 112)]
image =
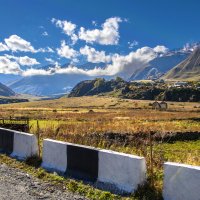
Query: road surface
[(17, 185)]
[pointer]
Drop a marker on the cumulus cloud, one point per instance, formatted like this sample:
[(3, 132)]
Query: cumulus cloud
[(161, 49), (66, 52), (121, 65), (34, 72), (16, 43), (95, 56), (3, 47), (50, 60), (67, 27), (108, 35), (23, 61), (125, 66), (26, 61), (9, 67), (116, 64)]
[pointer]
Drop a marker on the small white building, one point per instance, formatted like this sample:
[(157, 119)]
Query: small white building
[(159, 106), (180, 84), (163, 105), (156, 105)]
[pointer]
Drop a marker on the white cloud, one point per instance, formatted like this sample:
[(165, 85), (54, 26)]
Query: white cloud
[(50, 60), (132, 44), (161, 49), (33, 72), (15, 43), (45, 33), (117, 65), (125, 66), (66, 52), (9, 67), (45, 50), (67, 27), (26, 61), (95, 56), (189, 47), (108, 35), (23, 61), (74, 38), (3, 47), (122, 65)]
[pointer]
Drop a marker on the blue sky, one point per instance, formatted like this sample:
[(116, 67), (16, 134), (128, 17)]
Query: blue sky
[(133, 24)]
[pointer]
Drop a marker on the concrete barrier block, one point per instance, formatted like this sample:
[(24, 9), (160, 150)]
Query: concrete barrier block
[(6, 140), (82, 162), (25, 145), (181, 182), (54, 155), (125, 171)]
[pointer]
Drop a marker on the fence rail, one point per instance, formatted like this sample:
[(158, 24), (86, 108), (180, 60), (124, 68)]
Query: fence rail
[(17, 123)]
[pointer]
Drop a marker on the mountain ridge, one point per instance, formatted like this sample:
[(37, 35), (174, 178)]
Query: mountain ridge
[(189, 69), (6, 91)]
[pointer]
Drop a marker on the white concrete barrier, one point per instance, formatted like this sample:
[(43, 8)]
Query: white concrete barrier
[(25, 145), (181, 182), (54, 155), (125, 171)]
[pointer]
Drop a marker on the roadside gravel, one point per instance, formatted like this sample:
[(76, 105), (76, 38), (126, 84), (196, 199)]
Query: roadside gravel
[(17, 185)]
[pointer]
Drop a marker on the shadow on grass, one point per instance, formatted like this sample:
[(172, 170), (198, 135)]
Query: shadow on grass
[(34, 161), (148, 192)]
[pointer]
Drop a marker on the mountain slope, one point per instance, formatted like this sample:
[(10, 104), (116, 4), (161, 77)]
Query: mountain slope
[(5, 91), (97, 86), (7, 79), (47, 85), (189, 69), (160, 65)]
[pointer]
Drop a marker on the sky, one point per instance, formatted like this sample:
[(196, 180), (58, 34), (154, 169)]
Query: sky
[(121, 34)]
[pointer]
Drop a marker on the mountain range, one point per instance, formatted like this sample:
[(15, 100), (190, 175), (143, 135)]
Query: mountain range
[(51, 85), (160, 65), (174, 65)]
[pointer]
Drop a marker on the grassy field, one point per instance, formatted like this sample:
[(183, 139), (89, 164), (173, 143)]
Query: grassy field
[(114, 123)]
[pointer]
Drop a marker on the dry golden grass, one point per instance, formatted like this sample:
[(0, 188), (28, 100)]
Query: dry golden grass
[(97, 102), (87, 115)]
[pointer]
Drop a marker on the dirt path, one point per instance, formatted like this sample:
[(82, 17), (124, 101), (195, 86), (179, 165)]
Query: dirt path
[(17, 185)]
